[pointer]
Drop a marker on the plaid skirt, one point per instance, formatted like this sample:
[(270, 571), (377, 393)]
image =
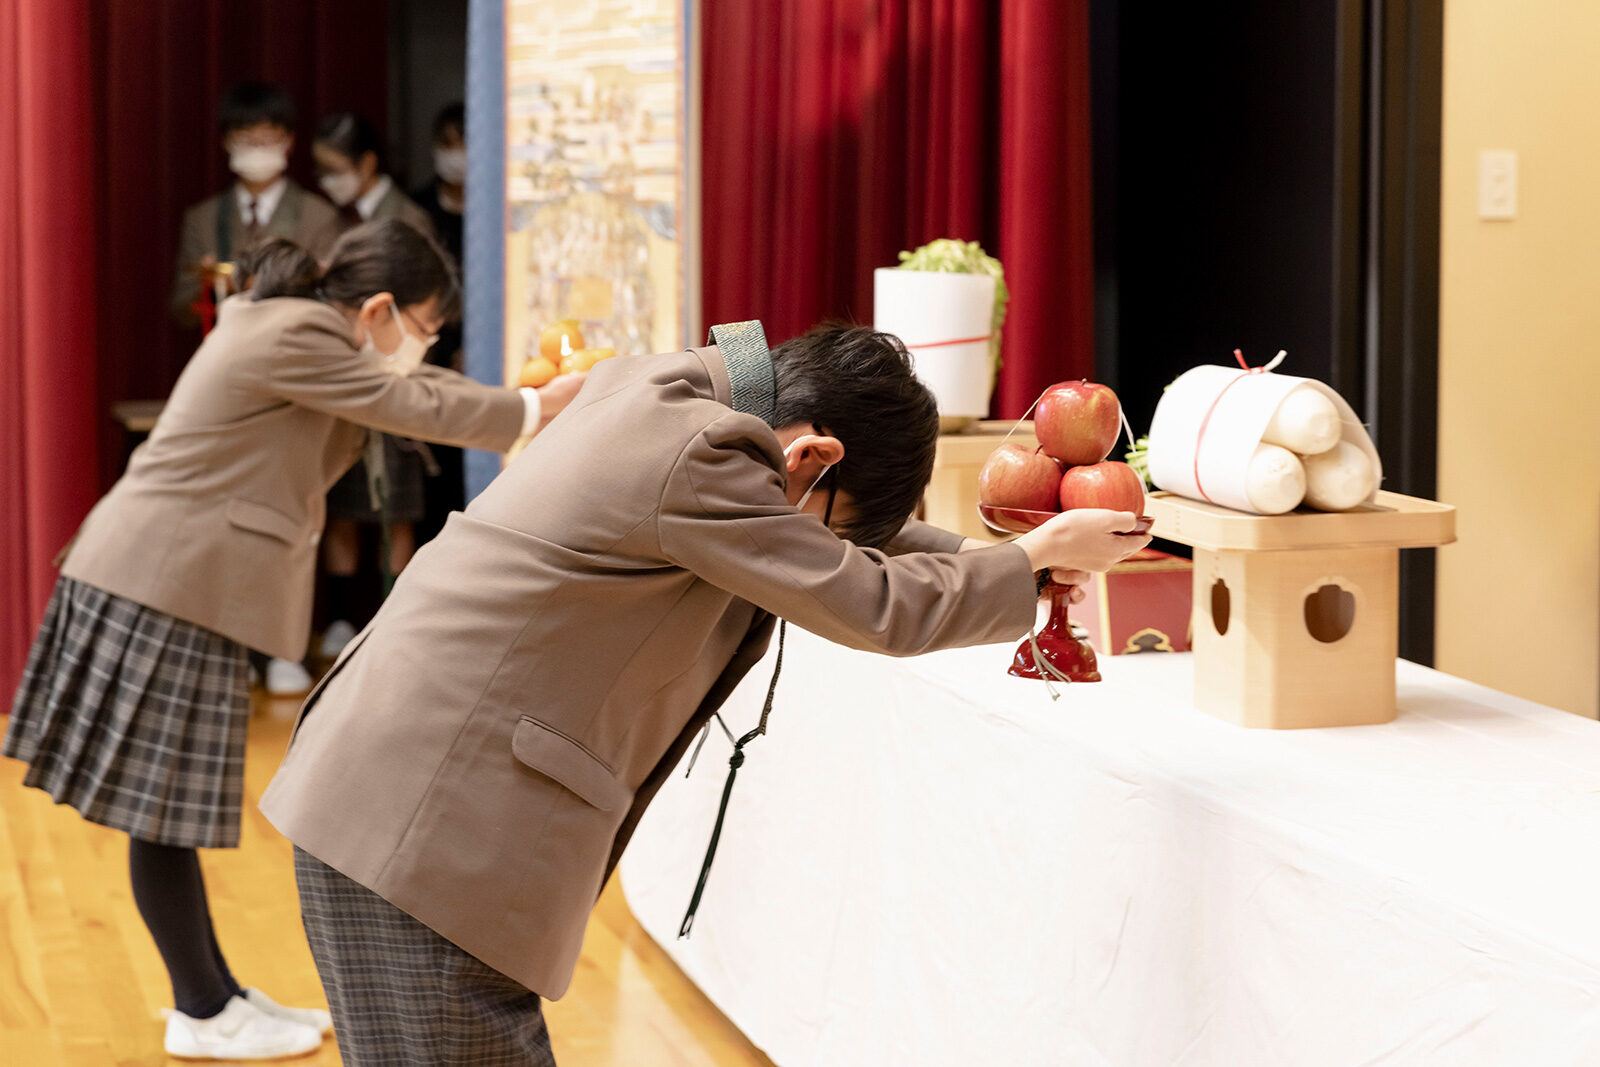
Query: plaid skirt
[(401, 994), (134, 718), (405, 467)]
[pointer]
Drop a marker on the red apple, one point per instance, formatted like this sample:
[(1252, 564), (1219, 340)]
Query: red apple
[(1077, 422), (1017, 477), (1113, 486)]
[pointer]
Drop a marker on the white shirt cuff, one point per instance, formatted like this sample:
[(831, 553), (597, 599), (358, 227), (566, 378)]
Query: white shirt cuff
[(533, 410)]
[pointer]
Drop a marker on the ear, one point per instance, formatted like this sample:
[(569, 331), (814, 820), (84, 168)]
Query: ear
[(374, 311), (368, 165), (288, 140), (815, 450)]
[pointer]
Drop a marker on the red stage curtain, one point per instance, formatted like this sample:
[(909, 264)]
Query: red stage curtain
[(47, 323), (838, 132)]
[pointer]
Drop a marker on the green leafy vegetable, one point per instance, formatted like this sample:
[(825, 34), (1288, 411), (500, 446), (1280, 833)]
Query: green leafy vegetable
[(965, 257), (1138, 457)]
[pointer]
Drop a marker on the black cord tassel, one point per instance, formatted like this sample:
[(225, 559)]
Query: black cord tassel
[(735, 761)]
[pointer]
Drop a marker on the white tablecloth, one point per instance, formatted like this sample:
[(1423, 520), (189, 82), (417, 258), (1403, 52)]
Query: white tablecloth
[(928, 863)]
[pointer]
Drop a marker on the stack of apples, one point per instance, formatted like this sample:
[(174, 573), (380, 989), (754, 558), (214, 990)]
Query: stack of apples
[(561, 351), (1077, 424)]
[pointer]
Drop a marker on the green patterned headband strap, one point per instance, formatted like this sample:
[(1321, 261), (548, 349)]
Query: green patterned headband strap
[(743, 346)]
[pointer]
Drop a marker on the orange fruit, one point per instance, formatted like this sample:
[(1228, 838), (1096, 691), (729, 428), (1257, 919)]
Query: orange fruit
[(536, 372), (551, 336), (585, 358)]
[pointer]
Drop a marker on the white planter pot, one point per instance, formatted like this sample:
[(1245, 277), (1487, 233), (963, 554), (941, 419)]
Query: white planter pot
[(944, 320)]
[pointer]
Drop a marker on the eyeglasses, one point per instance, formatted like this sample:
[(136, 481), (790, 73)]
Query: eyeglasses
[(428, 339)]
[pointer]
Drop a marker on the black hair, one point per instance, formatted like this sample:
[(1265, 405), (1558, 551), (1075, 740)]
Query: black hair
[(250, 103), (285, 266), (352, 135), (450, 117), (385, 256), (857, 384)]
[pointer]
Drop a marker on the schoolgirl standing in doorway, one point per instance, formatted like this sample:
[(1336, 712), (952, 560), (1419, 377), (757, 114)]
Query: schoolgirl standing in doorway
[(352, 170), (134, 703)]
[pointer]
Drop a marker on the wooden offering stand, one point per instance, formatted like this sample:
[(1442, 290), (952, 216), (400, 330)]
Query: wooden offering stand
[(1295, 616)]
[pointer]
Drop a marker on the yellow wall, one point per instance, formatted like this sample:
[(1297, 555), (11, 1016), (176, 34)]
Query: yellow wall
[(1519, 353)]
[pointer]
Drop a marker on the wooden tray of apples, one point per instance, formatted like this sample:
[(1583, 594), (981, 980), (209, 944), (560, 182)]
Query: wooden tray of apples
[(1077, 425)]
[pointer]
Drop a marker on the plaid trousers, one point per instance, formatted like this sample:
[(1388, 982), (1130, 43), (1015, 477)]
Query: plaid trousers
[(403, 995)]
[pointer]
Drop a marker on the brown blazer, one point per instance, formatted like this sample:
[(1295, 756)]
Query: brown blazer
[(303, 217), (218, 516), (481, 753), (397, 205)]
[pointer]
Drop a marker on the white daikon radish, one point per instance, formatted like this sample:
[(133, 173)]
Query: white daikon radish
[(1340, 478), (1306, 422), (1276, 481)]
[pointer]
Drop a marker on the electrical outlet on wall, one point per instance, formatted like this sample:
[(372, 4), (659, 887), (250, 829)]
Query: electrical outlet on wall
[(1497, 184)]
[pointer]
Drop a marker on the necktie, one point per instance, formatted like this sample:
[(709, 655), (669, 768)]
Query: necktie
[(351, 215), (252, 225)]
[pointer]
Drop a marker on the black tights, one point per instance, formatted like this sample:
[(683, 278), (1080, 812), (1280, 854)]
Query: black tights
[(171, 894)]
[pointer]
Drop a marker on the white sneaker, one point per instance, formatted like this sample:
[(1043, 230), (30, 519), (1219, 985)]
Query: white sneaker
[(339, 633), (286, 678), (316, 1018), (241, 1031)]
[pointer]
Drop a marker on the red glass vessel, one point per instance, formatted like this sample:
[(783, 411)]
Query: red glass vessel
[(1071, 657), (1058, 653)]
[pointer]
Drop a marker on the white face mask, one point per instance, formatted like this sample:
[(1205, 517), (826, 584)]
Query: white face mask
[(409, 356), (258, 163), (450, 164), (341, 188)]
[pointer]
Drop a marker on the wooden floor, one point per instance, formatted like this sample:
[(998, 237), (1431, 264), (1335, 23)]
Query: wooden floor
[(81, 983)]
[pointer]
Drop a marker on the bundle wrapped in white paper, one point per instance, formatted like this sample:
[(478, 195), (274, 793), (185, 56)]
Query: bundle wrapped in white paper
[(1218, 433)]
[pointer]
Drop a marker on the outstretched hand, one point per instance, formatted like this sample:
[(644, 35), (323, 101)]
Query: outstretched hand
[(1084, 539)]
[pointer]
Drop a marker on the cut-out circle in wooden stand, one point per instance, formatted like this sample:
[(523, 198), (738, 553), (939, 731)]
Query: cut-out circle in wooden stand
[(1330, 613), (1221, 606)]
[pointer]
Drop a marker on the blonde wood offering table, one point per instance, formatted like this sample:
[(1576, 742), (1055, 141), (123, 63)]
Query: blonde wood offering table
[(927, 862)]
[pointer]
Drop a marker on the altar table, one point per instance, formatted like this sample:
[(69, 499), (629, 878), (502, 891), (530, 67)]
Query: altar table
[(929, 863)]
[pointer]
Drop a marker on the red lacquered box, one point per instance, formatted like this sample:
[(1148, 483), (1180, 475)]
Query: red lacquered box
[(1141, 605)]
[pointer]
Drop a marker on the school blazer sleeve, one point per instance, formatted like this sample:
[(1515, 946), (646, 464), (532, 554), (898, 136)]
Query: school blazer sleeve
[(315, 366), (192, 245), (918, 536), (723, 516)]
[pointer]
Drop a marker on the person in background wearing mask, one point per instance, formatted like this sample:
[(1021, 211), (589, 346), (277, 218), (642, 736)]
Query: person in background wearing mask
[(444, 199), (350, 161), (134, 705), (257, 121)]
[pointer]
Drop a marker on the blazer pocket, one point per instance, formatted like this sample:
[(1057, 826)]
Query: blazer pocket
[(569, 764), (258, 518)]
